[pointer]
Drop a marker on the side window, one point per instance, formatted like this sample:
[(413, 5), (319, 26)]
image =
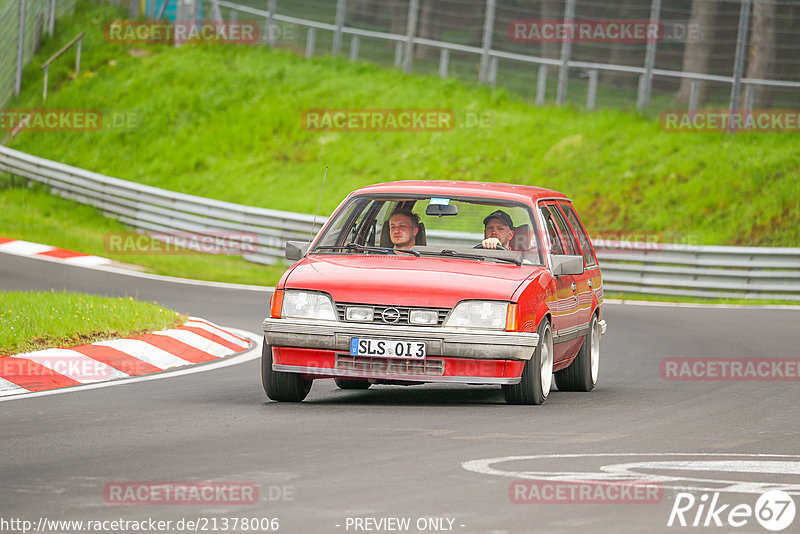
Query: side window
[(586, 245), (556, 246), (570, 245)]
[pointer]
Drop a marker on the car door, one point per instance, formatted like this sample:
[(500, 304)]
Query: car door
[(564, 308), (590, 282)]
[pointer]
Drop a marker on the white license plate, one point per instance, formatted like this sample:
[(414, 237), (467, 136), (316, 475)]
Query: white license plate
[(387, 348)]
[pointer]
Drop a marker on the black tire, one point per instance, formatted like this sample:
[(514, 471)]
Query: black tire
[(536, 381), (580, 376), (285, 387), (352, 383)]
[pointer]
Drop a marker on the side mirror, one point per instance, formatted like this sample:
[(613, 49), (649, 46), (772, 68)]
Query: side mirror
[(296, 249), (565, 264)]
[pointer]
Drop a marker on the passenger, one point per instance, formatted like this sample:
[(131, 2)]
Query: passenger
[(403, 228), (498, 230)]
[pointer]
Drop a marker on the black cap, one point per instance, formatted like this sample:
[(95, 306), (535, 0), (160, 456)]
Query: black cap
[(503, 216)]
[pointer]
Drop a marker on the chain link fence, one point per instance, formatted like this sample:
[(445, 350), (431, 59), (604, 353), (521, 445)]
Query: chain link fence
[(738, 54), (23, 24)]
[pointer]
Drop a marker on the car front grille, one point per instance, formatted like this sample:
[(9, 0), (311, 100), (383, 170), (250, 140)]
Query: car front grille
[(378, 313), (427, 367)]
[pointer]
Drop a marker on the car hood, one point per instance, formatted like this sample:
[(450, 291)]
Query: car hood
[(406, 280)]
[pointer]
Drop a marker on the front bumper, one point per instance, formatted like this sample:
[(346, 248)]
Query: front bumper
[(440, 341)]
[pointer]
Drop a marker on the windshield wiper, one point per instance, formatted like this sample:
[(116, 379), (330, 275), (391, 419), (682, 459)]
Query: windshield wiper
[(365, 248), (456, 254)]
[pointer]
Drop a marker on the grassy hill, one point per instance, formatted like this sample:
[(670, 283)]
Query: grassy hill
[(226, 122)]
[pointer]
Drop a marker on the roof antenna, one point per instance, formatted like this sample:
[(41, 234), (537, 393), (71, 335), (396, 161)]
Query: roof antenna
[(314, 224)]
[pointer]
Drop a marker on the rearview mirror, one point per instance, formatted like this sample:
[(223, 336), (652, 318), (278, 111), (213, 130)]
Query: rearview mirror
[(566, 264), (296, 249), (439, 210)]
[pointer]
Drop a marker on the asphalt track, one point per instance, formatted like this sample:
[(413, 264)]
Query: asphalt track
[(407, 452)]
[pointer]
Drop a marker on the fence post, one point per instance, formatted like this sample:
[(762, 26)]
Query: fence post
[(591, 95), (271, 22), (310, 38), (398, 53), (749, 95), (444, 60), (162, 9), (488, 32), (493, 71), (738, 63), (51, 20), (694, 95), (413, 12), (78, 58), (566, 52), (216, 12), (541, 85), (646, 81), (354, 48), (341, 6), (20, 44)]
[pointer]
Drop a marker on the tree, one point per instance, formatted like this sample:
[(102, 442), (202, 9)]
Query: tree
[(697, 53), (761, 63)]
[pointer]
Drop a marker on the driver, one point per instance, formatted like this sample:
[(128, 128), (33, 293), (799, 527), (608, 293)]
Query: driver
[(498, 230), (403, 228)]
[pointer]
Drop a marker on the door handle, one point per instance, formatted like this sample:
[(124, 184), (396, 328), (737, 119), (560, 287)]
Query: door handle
[(590, 282), (574, 287)]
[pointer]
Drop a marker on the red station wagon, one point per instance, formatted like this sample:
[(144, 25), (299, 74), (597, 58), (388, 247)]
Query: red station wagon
[(439, 281)]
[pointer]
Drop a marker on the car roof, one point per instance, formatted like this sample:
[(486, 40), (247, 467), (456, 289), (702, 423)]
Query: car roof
[(448, 188)]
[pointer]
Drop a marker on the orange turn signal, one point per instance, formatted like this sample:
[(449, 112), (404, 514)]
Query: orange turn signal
[(512, 318), (276, 304)]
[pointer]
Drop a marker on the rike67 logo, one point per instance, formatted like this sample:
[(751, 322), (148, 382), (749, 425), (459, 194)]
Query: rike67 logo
[(774, 510)]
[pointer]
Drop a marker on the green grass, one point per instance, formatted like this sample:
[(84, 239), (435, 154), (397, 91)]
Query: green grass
[(37, 320), (225, 122)]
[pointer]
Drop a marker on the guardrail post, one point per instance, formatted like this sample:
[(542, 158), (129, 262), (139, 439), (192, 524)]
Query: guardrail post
[(741, 45), (398, 53), (311, 36), (566, 52), (216, 12), (541, 85), (354, 41), (444, 61), (20, 44), (413, 12), (591, 94), (646, 81), (488, 32), (270, 22), (341, 6), (234, 16)]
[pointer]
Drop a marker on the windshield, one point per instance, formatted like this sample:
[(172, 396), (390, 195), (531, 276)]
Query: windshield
[(434, 226)]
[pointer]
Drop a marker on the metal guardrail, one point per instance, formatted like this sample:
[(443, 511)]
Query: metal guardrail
[(149, 208), (648, 268)]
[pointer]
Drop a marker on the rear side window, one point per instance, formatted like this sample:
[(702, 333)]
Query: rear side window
[(570, 246), (586, 246), (556, 246)]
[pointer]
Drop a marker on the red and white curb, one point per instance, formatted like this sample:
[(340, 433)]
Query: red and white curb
[(26, 248), (196, 341)]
